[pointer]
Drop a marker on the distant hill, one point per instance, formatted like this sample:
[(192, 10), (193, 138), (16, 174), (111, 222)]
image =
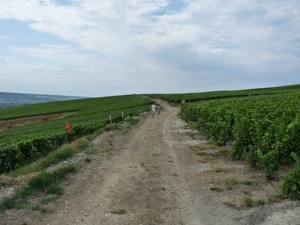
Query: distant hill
[(8, 100)]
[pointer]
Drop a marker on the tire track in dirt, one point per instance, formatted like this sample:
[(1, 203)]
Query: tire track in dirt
[(196, 205)]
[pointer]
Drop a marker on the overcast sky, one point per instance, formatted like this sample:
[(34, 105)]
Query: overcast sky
[(114, 47)]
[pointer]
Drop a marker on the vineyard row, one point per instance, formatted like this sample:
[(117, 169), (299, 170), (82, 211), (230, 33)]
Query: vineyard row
[(24, 144), (265, 130)]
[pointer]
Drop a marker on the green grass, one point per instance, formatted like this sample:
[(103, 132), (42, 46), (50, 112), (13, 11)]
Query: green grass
[(247, 182), (92, 151), (132, 121), (18, 200), (47, 180), (247, 193), (220, 170), (45, 183), (63, 153), (144, 166), (249, 202), (275, 198), (230, 204), (47, 200), (217, 189), (87, 160), (40, 208), (229, 183), (119, 212)]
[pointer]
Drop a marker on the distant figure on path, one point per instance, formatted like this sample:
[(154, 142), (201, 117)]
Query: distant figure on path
[(158, 110), (153, 109)]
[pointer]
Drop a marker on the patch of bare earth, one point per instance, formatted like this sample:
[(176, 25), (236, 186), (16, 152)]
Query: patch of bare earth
[(159, 172), (6, 124)]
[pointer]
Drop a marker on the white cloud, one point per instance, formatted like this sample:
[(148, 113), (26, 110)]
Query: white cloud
[(60, 54), (136, 40), (7, 38)]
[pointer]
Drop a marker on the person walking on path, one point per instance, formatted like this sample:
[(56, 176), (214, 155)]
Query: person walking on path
[(153, 109), (158, 110)]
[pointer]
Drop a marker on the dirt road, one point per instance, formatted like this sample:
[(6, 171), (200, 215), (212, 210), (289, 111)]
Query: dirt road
[(149, 175)]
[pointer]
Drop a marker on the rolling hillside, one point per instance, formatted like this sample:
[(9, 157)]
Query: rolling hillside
[(8, 100)]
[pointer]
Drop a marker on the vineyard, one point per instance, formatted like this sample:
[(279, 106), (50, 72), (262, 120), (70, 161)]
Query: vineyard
[(263, 126), (21, 145), (204, 96), (264, 129)]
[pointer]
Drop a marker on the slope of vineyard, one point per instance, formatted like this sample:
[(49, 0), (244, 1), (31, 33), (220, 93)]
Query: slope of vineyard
[(265, 130), (203, 96), (23, 144), (262, 124)]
